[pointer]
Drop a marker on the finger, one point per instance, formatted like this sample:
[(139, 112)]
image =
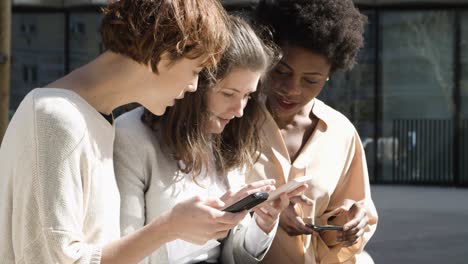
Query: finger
[(268, 208), (258, 186), (227, 195), (283, 202), (230, 218), (213, 202), (360, 226), (336, 211), (302, 199), (354, 222), (350, 243), (298, 190), (267, 218), (300, 225)]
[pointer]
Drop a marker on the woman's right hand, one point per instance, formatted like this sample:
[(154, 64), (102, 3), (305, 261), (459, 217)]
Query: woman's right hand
[(291, 221), (200, 219)]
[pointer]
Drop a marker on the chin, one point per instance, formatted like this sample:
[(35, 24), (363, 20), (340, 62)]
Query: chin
[(159, 111), (216, 129)]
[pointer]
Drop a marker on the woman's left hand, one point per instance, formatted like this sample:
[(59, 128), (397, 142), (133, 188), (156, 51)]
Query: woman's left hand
[(231, 196), (268, 212), (356, 222)]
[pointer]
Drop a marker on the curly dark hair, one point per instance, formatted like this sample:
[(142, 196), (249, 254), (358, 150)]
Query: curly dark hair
[(333, 28)]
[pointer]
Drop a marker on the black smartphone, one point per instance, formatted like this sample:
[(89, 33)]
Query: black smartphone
[(247, 202), (325, 227)]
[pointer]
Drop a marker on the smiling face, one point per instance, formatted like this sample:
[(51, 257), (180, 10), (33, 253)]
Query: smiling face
[(295, 81), (229, 97), (173, 80)]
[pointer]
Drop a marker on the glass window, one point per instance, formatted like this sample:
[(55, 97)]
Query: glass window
[(417, 88), (352, 93), (464, 98), (38, 46), (85, 39)]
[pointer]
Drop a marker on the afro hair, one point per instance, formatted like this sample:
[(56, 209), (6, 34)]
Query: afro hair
[(333, 28)]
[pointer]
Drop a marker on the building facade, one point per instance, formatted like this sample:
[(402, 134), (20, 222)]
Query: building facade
[(408, 96)]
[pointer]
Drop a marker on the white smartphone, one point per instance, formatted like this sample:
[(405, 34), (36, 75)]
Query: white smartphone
[(289, 187)]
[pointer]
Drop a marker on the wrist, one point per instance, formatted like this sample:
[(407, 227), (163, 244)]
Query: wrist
[(167, 225), (263, 226)]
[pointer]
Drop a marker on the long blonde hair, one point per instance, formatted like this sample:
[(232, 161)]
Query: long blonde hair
[(183, 126)]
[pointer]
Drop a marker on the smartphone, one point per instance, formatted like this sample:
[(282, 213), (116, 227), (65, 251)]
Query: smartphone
[(289, 186), (325, 227), (247, 202)]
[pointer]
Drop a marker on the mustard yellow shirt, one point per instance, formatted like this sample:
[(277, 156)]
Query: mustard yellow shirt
[(334, 156)]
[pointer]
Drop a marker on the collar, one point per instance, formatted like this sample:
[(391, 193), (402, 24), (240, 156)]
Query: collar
[(321, 111)]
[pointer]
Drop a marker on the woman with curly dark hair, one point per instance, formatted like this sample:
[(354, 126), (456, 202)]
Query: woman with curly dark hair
[(60, 201), (307, 137)]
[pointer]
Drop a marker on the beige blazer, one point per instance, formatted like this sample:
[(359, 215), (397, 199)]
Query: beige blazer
[(334, 156)]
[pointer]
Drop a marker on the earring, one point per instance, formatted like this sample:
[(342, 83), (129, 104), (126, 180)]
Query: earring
[(328, 78)]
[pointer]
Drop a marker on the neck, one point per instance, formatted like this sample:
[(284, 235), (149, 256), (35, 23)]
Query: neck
[(105, 83), (292, 119)]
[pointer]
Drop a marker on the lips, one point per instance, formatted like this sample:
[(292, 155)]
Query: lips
[(285, 103), (224, 121)]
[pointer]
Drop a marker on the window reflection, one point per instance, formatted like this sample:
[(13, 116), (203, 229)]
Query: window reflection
[(417, 89)]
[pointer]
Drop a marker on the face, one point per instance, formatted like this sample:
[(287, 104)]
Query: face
[(172, 81), (228, 99), (295, 81)]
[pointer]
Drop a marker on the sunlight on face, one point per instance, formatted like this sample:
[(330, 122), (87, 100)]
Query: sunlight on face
[(173, 81), (228, 99), (296, 80)]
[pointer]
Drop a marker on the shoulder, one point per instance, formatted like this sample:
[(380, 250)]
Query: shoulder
[(130, 125), (59, 114), (336, 121), (131, 134)]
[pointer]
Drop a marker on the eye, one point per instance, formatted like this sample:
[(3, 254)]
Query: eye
[(311, 81), (227, 94)]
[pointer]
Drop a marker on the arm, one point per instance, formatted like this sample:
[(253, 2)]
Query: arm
[(249, 241), (207, 222), (132, 181), (351, 205)]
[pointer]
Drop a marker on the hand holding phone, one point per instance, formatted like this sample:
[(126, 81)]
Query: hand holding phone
[(325, 227), (289, 187), (247, 202), (308, 222)]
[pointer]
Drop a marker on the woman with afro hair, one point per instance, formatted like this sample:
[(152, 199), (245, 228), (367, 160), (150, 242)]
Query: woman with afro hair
[(304, 136)]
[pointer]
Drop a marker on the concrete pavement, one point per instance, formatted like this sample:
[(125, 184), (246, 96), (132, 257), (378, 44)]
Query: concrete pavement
[(420, 225)]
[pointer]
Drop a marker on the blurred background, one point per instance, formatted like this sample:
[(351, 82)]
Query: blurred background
[(407, 97)]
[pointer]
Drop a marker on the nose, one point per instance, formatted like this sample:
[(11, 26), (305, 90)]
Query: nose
[(238, 108), (291, 88)]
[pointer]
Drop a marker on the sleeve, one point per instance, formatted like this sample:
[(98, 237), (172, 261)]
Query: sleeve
[(256, 241), (132, 182), (353, 187), (58, 180), (234, 248)]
